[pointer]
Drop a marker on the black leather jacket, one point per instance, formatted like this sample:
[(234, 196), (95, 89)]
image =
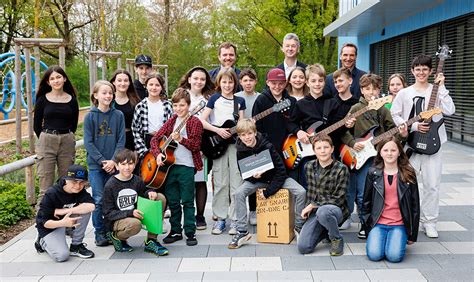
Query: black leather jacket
[(373, 203)]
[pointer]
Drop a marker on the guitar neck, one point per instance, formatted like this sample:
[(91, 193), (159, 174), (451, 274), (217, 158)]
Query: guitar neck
[(178, 129), (338, 124), (434, 92), (394, 130), (256, 117)]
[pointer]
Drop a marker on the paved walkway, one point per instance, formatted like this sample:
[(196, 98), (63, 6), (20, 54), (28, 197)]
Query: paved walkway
[(447, 258)]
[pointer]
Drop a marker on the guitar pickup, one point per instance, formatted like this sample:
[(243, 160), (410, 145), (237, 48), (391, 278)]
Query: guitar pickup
[(286, 155), (421, 146)]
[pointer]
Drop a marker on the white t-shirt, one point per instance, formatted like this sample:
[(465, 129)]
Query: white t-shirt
[(155, 116), (195, 101), (223, 108), (182, 154)]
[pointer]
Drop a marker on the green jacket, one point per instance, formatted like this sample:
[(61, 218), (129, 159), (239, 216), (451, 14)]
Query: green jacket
[(381, 118)]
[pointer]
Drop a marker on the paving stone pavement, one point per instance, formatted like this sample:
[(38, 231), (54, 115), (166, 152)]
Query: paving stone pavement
[(447, 258)]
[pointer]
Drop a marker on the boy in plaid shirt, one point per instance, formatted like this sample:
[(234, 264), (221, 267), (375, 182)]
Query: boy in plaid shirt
[(326, 198), (179, 183)]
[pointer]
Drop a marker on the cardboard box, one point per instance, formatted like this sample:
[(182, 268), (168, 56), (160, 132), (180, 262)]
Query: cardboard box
[(275, 218)]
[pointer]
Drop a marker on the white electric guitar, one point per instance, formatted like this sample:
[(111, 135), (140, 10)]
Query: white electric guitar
[(354, 159), (294, 150)]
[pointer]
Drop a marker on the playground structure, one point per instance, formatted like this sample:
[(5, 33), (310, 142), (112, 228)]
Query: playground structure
[(17, 86)]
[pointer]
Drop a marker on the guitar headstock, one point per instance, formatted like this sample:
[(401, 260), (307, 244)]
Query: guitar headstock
[(378, 103), (282, 106), (444, 52), (198, 107), (430, 113)]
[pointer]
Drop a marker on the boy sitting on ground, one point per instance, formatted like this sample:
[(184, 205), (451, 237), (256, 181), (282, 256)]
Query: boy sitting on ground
[(121, 216), (326, 198), (250, 143)]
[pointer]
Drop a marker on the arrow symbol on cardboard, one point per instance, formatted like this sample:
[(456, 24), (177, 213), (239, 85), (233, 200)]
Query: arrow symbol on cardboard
[(269, 228), (275, 226)]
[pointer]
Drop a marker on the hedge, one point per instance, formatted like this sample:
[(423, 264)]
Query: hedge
[(14, 204)]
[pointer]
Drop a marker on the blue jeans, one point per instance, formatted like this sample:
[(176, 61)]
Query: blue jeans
[(357, 186), (387, 241), (320, 223), (97, 179)]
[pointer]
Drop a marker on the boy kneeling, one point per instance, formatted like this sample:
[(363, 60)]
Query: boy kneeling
[(66, 205), (121, 217), (326, 197), (251, 142)]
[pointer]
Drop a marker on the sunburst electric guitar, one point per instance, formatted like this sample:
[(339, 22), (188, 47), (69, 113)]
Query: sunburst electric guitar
[(294, 150), (355, 160), (153, 175)]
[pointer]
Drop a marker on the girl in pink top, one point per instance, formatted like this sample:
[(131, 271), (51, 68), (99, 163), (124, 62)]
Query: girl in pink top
[(391, 205)]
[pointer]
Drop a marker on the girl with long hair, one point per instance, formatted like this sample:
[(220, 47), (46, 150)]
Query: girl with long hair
[(296, 83), (126, 98), (104, 136), (391, 205), (55, 120), (199, 85)]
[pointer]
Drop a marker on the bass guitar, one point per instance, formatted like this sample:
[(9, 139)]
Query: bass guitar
[(294, 150), (355, 160), (153, 175), (429, 143), (214, 146)]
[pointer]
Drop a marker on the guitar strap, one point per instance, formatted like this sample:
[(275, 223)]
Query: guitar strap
[(236, 110), (326, 109)]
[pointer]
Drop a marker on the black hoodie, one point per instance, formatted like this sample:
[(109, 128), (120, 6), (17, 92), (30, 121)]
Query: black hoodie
[(276, 126), (274, 177)]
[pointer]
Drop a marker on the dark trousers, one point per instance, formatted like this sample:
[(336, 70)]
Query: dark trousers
[(179, 191)]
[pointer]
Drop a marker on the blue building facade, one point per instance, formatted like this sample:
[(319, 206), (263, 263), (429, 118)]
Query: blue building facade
[(390, 33)]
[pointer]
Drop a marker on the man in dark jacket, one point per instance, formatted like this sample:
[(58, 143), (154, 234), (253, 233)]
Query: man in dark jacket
[(348, 59), (227, 55), (291, 48), (251, 143)]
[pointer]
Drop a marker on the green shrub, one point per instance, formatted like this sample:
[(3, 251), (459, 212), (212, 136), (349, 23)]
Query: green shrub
[(14, 205)]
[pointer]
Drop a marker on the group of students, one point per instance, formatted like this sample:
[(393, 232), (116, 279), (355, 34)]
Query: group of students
[(123, 126)]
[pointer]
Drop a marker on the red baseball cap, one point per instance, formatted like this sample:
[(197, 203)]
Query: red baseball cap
[(276, 74)]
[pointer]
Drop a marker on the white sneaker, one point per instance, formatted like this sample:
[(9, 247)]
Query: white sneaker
[(346, 224), (233, 228), (430, 231), (167, 214), (253, 218)]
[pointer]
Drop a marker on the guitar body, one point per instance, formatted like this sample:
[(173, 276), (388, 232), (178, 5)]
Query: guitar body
[(354, 159), (154, 176), (213, 146), (427, 143), (294, 150)]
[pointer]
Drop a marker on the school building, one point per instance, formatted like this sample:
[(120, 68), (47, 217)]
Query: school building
[(389, 33)]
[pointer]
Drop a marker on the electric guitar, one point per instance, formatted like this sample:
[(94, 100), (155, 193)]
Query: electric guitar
[(355, 160), (214, 146), (153, 175), (429, 143), (294, 150)]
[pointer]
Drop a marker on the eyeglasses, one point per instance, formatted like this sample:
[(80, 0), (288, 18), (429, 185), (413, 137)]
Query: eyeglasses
[(418, 70)]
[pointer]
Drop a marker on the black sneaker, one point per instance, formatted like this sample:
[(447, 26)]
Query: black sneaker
[(201, 223), (172, 237), (38, 247), (362, 234), (80, 251), (191, 239)]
